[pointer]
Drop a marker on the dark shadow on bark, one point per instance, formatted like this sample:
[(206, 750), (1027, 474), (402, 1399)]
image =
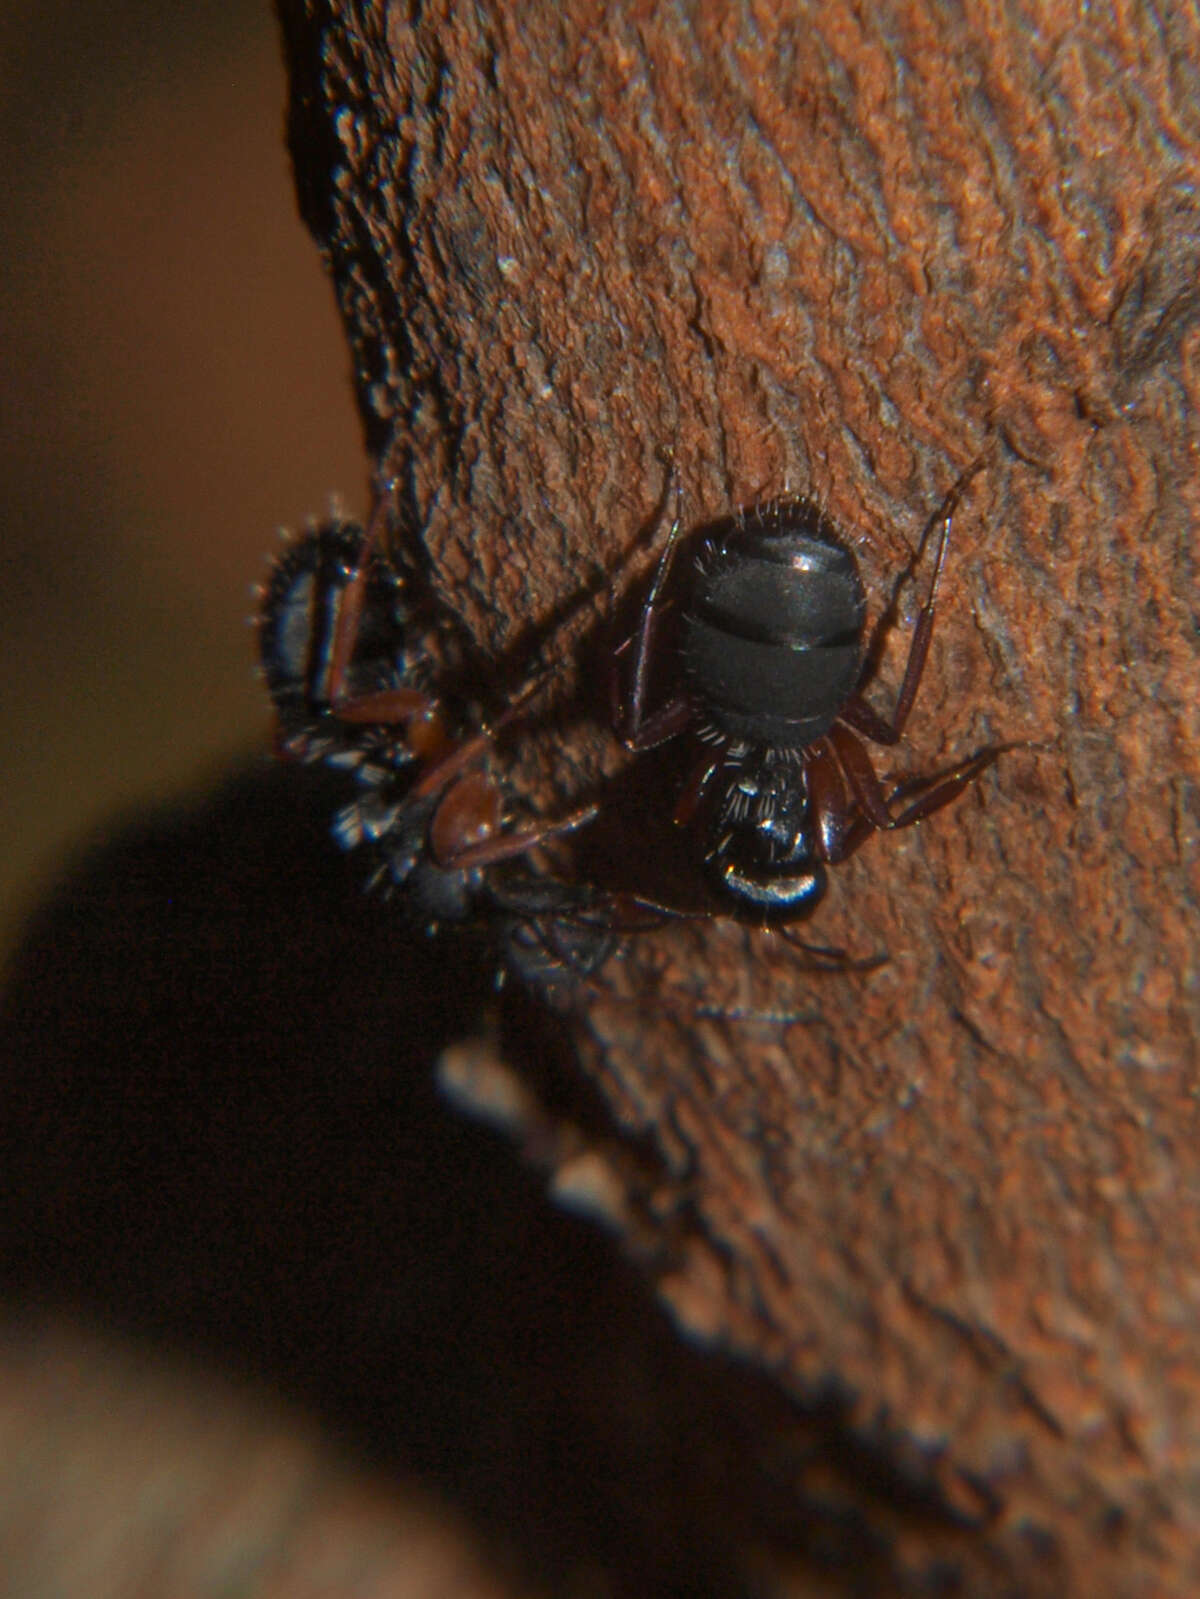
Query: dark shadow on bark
[(221, 1130)]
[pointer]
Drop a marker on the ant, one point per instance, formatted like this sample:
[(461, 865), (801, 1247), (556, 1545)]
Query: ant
[(772, 665), (333, 640)]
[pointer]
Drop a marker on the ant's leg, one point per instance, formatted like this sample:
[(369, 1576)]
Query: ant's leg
[(841, 825), (465, 830), (456, 757), (694, 789), (349, 619), (864, 719), (402, 706), (945, 787), (940, 789), (390, 707), (664, 724), (829, 958), (419, 713), (862, 778), (503, 846), (635, 727), (857, 713)]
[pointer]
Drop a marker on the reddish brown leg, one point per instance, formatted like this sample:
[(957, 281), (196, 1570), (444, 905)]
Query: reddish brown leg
[(637, 728), (465, 830), (841, 825), (658, 728), (400, 706), (390, 706), (939, 789), (857, 713), (505, 846), (860, 775), (441, 773), (701, 775), (945, 787), (459, 756)]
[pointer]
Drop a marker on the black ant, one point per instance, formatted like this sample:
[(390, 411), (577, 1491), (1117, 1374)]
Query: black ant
[(333, 639), (773, 667)]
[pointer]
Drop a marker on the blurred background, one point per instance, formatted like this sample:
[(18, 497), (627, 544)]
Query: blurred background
[(173, 386)]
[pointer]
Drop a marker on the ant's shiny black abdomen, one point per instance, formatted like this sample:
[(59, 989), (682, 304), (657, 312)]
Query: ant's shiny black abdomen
[(771, 640)]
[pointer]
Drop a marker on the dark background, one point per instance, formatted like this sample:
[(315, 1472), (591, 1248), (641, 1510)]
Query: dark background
[(173, 385)]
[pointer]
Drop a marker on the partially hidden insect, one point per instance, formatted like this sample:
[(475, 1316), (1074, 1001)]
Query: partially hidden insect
[(333, 634), (771, 662)]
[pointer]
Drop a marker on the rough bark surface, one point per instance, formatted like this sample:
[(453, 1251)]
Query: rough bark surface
[(816, 248)]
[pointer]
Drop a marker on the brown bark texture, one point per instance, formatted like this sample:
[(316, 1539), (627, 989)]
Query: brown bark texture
[(845, 251)]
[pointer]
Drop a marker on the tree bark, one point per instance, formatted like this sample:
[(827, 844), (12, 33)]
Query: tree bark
[(812, 248)]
